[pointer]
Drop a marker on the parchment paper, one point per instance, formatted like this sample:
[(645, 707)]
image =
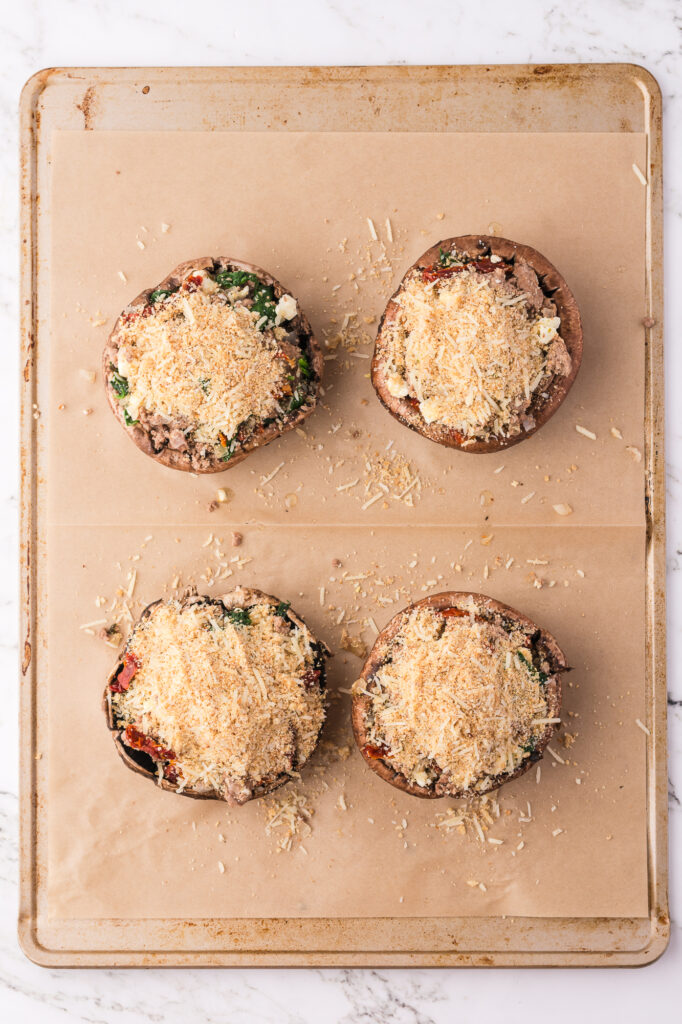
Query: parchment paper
[(120, 848)]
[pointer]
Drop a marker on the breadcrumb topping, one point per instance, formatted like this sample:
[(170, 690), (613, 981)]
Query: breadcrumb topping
[(471, 352), (459, 700), (226, 691), (201, 360)]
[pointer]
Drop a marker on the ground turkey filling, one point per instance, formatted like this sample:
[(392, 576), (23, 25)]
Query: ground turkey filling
[(201, 368), (230, 697), (474, 349), (458, 702)]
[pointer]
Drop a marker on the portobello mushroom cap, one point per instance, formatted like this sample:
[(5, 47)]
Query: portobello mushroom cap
[(490, 609), (143, 763), (191, 458), (553, 287)]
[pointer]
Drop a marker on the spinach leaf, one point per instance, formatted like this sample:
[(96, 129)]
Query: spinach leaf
[(304, 367), (264, 304), (129, 421), (161, 293), (263, 295), (238, 616), (282, 608), (119, 384), (235, 279), (526, 658), (297, 400)]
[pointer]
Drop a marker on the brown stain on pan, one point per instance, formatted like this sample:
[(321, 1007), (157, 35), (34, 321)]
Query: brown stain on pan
[(441, 602), (552, 285), (87, 107)]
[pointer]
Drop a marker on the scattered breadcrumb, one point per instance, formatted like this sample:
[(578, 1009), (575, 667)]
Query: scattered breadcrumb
[(472, 818), (634, 452), (585, 432), (562, 509), (642, 726), (288, 819), (616, 433), (354, 644)]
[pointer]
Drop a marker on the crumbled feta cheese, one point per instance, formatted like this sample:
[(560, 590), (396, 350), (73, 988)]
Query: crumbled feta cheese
[(286, 309)]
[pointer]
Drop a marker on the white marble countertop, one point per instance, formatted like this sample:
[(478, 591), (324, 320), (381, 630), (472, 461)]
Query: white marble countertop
[(40, 33)]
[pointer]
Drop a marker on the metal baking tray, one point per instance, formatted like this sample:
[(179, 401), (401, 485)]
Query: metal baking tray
[(540, 98)]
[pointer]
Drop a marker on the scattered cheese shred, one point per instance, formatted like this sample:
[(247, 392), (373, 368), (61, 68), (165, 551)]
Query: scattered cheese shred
[(271, 476), (639, 174)]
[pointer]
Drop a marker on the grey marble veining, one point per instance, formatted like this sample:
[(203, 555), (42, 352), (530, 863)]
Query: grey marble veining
[(43, 33)]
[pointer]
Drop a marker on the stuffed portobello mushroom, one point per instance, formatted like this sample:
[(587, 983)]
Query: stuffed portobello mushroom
[(479, 345), (215, 361), (220, 698), (459, 695)]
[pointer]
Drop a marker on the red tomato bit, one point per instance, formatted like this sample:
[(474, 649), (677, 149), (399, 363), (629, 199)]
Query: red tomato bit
[(124, 677), (132, 737), (370, 750)]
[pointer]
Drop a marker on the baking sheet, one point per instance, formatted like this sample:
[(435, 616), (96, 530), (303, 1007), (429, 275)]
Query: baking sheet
[(324, 189)]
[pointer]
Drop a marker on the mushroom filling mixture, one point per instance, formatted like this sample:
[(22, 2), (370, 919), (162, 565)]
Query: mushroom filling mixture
[(206, 366), (223, 699), (458, 701), (475, 344)]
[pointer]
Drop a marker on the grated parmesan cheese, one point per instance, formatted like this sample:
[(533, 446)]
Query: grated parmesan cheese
[(450, 695), (228, 699), (200, 360), (470, 358)]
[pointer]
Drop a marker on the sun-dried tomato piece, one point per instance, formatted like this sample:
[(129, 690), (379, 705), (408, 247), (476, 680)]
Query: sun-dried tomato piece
[(484, 265), (132, 737), (172, 773), (124, 677), (460, 613), (376, 752), (192, 283), (436, 273)]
